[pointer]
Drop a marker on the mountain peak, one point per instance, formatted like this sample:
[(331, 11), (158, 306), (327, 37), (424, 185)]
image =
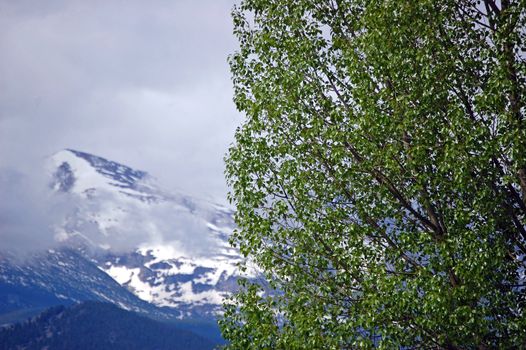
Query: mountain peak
[(167, 248), (113, 170), (81, 172)]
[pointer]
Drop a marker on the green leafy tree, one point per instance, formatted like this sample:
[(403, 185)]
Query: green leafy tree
[(380, 174)]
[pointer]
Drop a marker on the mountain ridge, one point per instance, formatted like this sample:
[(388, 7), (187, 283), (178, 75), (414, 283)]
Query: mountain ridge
[(96, 325)]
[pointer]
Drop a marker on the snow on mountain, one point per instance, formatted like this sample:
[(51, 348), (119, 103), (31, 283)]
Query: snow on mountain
[(82, 173), (167, 248)]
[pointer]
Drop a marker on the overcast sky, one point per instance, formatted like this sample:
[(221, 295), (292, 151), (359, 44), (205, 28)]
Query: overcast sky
[(144, 83)]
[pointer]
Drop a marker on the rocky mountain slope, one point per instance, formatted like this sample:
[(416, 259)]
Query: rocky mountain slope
[(169, 249), (63, 276)]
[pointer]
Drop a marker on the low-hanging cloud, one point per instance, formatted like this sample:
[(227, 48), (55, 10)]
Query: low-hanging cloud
[(34, 217), (110, 220), (28, 212)]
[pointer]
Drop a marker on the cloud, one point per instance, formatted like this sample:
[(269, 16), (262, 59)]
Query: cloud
[(111, 220), (143, 83), (34, 217), (29, 212)]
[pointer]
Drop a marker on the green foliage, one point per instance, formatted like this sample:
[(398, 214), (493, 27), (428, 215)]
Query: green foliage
[(380, 174)]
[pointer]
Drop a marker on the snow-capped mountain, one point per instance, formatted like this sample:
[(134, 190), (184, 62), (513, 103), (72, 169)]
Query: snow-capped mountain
[(168, 249)]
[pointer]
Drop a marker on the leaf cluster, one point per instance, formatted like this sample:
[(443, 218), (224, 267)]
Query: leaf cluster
[(380, 174)]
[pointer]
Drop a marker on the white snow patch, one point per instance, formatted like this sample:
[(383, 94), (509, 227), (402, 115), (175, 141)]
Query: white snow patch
[(121, 274)]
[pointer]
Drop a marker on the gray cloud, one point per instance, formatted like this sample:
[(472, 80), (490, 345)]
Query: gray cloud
[(142, 83), (134, 223), (29, 212), (34, 217)]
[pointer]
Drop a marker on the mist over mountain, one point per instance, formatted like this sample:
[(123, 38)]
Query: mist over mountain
[(100, 230), (29, 211)]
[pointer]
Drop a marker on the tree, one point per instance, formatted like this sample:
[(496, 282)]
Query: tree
[(380, 174)]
